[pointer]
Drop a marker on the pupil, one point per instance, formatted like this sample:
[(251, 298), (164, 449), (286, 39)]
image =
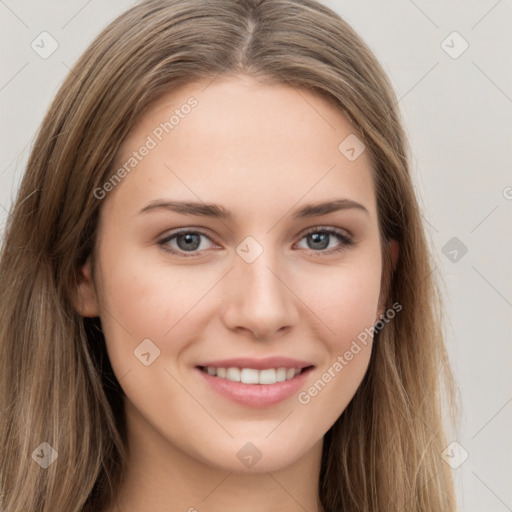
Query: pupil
[(320, 238), (189, 237)]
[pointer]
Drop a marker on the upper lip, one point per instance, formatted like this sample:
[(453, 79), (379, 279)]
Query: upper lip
[(258, 364)]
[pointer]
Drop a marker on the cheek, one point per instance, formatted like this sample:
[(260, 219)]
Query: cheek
[(345, 299), (337, 380), (142, 300), (346, 303)]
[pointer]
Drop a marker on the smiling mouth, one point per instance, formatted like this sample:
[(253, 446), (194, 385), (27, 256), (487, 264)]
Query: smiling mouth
[(253, 376)]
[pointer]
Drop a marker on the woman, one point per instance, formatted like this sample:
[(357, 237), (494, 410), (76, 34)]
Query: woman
[(176, 333)]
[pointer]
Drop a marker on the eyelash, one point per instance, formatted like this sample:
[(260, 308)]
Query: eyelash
[(344, 239)]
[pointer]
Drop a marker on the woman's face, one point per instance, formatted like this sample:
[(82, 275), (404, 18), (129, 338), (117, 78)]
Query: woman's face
[(261, 279)]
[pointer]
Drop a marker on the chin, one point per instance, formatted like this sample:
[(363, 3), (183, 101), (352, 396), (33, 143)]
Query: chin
[(257, 456)]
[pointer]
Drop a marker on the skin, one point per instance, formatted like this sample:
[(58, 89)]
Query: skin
[(261, 151)]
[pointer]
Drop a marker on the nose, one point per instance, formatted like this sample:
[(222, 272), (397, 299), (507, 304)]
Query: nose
[(259, 299)]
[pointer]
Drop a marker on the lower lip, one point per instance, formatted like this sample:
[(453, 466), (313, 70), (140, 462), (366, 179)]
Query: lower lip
[(256, 395)]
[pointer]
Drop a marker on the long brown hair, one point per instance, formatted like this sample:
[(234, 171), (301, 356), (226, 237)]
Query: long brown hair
[(56, 383)]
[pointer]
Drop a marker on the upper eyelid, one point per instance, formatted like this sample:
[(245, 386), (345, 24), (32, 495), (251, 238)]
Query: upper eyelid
[(339, 231), (170, 236)]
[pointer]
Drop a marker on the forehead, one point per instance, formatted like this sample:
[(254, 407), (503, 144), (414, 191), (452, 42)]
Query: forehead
[(246, 144)]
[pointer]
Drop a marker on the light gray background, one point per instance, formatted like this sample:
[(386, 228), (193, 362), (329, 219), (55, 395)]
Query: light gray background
[(458, 114)]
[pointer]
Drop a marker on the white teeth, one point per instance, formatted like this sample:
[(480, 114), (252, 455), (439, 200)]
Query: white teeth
[(249, 376), (252, 376), (268, 376), (233, 374), (281, 374)]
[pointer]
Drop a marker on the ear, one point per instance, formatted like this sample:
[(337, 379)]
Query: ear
[(394, 250), (86, 301)]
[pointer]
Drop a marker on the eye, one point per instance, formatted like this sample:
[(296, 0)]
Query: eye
[(318, 239), (187, 241)]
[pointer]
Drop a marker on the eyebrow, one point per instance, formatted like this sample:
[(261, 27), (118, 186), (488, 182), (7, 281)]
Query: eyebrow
[(219, 212)]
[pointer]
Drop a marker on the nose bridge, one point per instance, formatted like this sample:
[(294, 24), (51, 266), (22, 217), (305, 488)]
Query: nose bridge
[(258, 299), (257, 268), (260, 276)]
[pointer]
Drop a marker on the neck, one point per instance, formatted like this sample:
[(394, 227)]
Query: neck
[(159, 476)]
